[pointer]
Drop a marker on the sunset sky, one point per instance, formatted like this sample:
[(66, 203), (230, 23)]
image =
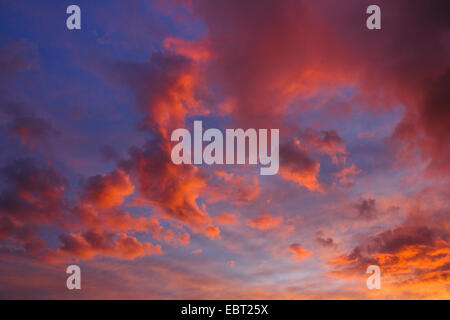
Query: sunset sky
[(86, 176)]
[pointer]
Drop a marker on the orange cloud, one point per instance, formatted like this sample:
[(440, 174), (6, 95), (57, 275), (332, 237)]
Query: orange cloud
[(175, 239), (327, 142), (265, 221), (297, 166), (345, 175), (235, 188), (212, 232), (108, 190), (198, 51), (90, 244), (227, 219), (173, 190), (298, 251), (412, 257)]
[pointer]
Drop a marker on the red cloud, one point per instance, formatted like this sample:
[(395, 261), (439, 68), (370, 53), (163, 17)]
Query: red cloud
[(298, 167), (197, 51), (108, 190), (212, 232), (298, 251), (166, 87), (227, 219), (413, 254), (172, 189), (90, 243), (265, 221), (345, 176), (238, 190), (327, 142), (178, 238), (296, 53)]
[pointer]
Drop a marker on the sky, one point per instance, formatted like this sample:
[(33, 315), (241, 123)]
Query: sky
[(86, 176)]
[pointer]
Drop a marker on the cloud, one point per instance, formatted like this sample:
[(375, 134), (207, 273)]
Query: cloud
[(297, 166), (308, 48), (366, 208), (255, 68), (228, 219), (212, 232), (165, 87), (324, 241), (25, 124), (112, 220), (265, 221), (34, 192), (425, 128), (197, 51), (298, 251), (91, 243), (416, 252), (35, 196), (177, 238), (327, 142), (108, 190), (172, 189), (238, 189), (32, 196), (305, 65), (345, 176)]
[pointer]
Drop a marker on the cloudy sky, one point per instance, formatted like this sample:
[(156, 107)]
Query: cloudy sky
[(86, 176)]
